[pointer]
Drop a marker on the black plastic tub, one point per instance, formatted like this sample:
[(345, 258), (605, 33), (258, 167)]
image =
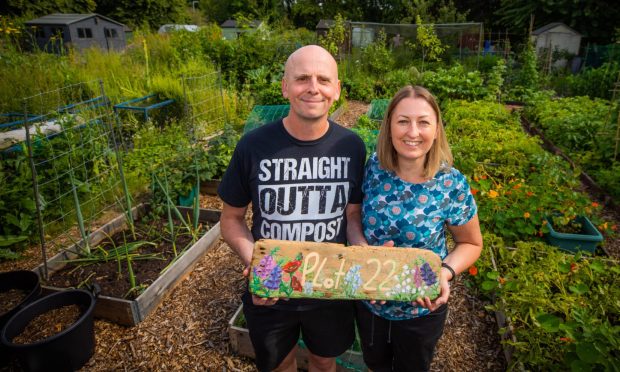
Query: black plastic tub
[(68, 350), (26, 281)]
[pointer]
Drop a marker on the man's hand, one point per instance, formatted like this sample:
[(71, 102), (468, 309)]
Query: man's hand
[(260, 301)]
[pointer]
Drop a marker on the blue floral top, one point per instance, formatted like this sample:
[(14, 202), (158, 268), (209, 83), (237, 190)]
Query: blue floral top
[(412, 215)]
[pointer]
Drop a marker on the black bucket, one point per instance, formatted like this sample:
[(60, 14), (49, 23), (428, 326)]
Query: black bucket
[(26, 281), (68, 350)]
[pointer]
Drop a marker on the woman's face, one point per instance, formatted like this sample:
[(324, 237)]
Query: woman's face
[(414, 129)]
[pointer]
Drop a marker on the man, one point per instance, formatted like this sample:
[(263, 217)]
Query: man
[(303, 176)]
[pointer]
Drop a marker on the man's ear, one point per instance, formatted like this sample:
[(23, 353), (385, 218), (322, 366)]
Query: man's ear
[(337, 97), (284, 90)]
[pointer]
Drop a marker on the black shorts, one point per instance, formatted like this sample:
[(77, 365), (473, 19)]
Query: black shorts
[(327, 330), (399, 345)]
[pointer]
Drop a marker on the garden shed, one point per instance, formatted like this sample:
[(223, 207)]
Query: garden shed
[(55, 32), (556, 37), (231, 30)]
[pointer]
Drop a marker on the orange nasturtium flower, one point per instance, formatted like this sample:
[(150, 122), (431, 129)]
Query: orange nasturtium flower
[(529, 193), (474, 191), (473, 270), (595, 204), (493, 194), (566, 339), (526, 215), (501, 280)]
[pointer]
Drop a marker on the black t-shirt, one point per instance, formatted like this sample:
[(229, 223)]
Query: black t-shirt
[(299, 190)]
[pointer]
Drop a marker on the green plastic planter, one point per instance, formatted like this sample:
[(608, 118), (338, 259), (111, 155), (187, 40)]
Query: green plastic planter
[(586, 241)]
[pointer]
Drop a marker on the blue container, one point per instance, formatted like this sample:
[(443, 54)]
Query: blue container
[(587, 240)]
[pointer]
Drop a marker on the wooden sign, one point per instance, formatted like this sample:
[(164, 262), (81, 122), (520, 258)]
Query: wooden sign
[(283, 268)]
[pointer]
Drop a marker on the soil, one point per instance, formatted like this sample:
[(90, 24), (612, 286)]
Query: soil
[(11, 298), (147, 267), (48, 324)]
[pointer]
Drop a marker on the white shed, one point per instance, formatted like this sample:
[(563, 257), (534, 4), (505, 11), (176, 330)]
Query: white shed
[(556, 37)]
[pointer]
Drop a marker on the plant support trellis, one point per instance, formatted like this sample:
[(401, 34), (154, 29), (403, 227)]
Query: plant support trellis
[(76, 168)]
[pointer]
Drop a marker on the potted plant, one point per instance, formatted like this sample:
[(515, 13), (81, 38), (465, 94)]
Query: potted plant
[(573, 234), (216, 158)]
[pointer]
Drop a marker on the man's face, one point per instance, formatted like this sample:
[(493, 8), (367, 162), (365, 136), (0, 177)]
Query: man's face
[(311, 83)]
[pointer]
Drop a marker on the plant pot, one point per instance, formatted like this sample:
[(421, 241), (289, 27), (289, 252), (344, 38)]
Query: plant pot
[(188, 200), (241, 344), (23, 280), (131, 312), (209, 187), (67, 350), (585, 241)]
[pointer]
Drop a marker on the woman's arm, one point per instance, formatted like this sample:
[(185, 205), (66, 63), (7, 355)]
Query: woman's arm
[(468, 247)]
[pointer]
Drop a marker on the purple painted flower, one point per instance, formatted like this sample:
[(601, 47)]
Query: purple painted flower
[(273, 282), (428, 275), (417, 277), (265, 266)]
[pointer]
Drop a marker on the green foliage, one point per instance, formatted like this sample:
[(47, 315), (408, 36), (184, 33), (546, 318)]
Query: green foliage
[(376, 57), (336, 36), (428, 41), (583, 129), (495, 80), (593, 82), (144, 13), (562, 309), (455, 83), (41, 8), (219, 152), (515, 181)]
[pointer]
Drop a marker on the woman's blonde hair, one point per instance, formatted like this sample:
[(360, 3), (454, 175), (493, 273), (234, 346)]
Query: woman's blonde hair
[(439, 156)]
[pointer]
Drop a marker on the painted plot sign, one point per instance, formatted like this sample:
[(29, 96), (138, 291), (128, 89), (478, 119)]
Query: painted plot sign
[(333, 271)]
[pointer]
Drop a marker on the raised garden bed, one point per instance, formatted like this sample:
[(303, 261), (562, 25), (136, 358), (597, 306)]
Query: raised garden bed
[(132, 311)]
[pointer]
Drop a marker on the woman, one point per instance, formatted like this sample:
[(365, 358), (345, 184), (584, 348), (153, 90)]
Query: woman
[(412, 194)]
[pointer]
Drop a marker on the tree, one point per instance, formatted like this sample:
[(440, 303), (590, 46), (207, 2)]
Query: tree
[(145, 13), (428, 41), (594, 19), (40, 8), (335, 37)]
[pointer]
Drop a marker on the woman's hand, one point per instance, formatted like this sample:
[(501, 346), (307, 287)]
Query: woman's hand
[(442, 299)]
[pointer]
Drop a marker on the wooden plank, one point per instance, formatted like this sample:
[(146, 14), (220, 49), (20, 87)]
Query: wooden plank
[(334, 271), (156, 292), (132, 312)]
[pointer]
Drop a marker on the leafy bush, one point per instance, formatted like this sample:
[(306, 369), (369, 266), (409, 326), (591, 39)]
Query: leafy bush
[(454, 83), (562, 308), (515, 181)]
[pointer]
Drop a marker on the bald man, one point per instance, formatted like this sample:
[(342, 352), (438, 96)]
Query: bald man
[(303, 176)]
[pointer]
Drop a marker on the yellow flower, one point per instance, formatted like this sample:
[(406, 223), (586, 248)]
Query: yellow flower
[(493, 194), (526, 215)]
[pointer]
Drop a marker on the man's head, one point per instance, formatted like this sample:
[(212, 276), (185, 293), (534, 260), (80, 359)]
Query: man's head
[(310, 83)]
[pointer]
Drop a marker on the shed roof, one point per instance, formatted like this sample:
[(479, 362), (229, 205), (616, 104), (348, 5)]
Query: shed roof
[(550, 26), (67, 19), (231, 23)]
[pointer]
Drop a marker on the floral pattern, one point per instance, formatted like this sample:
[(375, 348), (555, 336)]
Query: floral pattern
[(274, 275), (423, 209)]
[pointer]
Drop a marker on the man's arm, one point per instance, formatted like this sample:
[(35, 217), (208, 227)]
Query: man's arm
[(355, 234), (236, 232)]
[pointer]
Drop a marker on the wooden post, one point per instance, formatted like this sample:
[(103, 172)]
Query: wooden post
[(333, 271)]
